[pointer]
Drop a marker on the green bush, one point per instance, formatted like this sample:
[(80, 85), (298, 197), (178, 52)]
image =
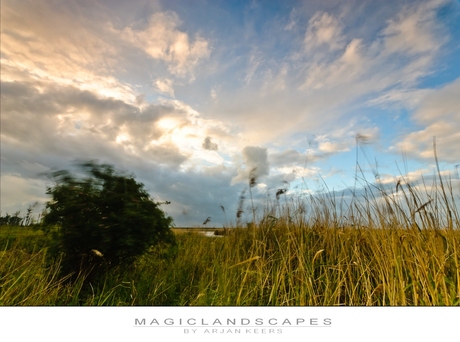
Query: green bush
[(103, 219)]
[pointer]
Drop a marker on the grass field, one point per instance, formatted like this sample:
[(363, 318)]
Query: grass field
[(275, 265), (395, 245), (399, 250)]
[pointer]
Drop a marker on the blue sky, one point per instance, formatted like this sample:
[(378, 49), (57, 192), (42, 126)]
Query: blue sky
[(192, 95)]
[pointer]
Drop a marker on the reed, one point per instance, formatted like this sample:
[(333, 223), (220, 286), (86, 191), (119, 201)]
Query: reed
[(397, 245)]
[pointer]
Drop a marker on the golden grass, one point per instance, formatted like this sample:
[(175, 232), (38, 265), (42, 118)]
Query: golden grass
[(388, 248)]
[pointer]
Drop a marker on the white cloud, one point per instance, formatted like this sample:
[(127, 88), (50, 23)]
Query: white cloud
[(286, 157), (402, 53), (322, 82), (292, 173), (330, 147), (292, 20), (161, 39), (209, 145), (213, 93), (443, 104), (399, 98), (18, 191), (165, 86), (255, 164), (324, 30), (35, 50), (438, 112), (253, 64), (414, 30)]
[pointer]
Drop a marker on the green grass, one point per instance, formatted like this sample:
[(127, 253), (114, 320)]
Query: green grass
[(279, 264)]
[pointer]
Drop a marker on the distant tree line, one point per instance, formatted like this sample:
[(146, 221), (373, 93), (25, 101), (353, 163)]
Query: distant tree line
[(16, 220)]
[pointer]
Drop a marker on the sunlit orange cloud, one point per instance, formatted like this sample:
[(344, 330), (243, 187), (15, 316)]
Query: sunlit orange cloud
[(85, 55), (58, 48)]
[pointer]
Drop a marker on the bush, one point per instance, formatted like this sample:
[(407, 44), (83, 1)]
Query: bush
[(105, 219)]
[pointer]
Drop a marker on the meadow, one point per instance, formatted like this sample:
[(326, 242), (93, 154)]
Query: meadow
[(387, 248)]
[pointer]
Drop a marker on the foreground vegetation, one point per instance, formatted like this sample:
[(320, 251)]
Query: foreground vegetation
[(281, 261), (395, 245)]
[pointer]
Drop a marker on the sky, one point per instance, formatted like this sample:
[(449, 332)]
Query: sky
[(191, 96)]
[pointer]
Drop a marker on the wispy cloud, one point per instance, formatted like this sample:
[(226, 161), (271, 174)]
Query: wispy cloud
[(324, 30), (161, 39), (438, 114)]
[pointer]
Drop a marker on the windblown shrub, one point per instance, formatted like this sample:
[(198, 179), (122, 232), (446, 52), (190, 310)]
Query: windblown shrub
[(105, 219)]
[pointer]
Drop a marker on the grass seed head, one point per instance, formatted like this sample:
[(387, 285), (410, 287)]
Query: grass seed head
[(253, 178), (97, 253)]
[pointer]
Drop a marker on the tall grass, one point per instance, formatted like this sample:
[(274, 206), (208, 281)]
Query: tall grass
[(394, 245)]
